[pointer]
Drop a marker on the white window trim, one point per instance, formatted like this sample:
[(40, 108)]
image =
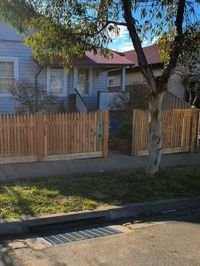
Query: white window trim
[(16, 70), (64, 94), (89, 80)]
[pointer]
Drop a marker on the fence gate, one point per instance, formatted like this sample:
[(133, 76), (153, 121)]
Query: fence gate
[(180, 130), (53, 136)]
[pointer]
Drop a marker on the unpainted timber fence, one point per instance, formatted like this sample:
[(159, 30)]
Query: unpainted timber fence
[(57, 136), (53, 136), (179, 127)]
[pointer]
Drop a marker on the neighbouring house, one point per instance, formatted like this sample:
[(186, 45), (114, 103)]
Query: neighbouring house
[(86, 81), (135, 77)]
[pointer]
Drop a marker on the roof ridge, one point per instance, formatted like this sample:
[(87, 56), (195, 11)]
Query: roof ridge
[(157, 45)]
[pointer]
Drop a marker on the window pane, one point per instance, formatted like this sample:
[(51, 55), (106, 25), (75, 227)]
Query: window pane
[(56, 81), (10, 69), (57, 86), (6, 85), (2, 69), (57, 73), (83, 87), (83, 74), (6, 69)]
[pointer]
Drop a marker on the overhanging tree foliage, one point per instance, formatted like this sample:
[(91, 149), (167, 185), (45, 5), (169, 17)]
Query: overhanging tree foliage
[(65, 29)]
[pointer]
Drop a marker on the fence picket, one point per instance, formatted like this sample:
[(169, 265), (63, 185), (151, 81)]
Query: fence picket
[(52, 136), (179, 131)]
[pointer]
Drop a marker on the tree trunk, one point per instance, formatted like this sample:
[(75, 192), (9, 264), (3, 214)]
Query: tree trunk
[(155, 134)]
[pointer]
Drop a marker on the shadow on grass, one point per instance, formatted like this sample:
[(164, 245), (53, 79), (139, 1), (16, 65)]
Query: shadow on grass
[(18, 200), (86, 192)]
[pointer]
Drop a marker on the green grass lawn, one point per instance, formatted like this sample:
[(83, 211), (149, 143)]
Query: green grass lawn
[(61, 195)]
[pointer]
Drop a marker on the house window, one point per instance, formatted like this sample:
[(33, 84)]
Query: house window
[(56, 81), (8, 75), (83, 80), (111, 81)]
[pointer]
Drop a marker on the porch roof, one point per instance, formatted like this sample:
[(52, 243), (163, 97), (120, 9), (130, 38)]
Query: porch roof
[(98, 59)]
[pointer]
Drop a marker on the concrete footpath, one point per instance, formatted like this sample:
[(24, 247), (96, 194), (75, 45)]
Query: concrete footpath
[(69, 167)]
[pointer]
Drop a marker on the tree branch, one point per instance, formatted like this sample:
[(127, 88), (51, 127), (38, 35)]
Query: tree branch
[(174, 54), (104, 27), (142, 61), (179, 17), (98, 31), (120, 23)]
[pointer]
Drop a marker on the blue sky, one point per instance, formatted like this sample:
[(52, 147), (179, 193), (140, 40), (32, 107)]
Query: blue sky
[(123, 41)]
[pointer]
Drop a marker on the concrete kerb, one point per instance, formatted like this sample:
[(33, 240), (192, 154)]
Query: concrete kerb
[(109, 214)]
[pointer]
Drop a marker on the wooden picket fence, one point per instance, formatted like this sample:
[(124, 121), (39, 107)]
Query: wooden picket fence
[(180, 131), (53, 136)]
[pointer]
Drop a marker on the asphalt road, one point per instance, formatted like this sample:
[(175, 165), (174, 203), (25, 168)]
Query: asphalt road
[(174, 241)]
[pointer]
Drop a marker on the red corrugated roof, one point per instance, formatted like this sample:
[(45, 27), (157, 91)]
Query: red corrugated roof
[(98, 59), (151, 52)]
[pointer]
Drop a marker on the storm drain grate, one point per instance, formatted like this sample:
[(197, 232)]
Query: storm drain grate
[(79, 235)]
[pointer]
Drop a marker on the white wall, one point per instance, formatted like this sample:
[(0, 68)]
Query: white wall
[(8, 33), (99, 80), (175, 84), (11, 45), (26, 66), (135, 77)]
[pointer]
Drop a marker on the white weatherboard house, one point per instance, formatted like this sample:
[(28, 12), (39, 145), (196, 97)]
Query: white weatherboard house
[(135, 77), (87, 80)]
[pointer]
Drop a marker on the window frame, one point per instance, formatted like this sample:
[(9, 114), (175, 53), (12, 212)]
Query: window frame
[(64, 94), (16, 70)]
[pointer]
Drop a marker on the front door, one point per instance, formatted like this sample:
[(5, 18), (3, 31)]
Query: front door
[(84, 79)]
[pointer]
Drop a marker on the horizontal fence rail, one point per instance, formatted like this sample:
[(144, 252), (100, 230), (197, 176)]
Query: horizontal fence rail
[(179, 127), (51, 136)]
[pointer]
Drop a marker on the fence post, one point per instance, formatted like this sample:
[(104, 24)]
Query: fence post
[(45, 129), (134, 140), (194, 129), (1, 136), (105, 133), (40, 134)]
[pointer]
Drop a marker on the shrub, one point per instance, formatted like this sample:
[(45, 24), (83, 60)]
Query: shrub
[(31, 98), (125, 131)]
